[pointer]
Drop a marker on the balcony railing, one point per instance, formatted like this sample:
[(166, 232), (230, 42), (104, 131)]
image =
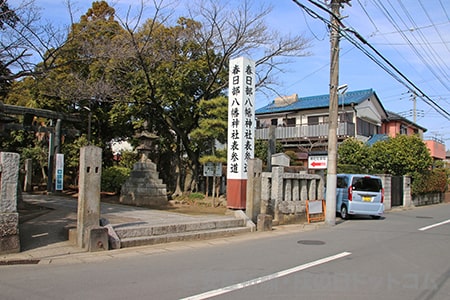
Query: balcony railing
[(305, 131)]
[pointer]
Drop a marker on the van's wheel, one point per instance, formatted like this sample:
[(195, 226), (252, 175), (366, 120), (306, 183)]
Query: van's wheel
[(344, 213)]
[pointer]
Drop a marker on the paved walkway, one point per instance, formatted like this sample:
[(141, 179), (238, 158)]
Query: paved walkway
[(44, 237)]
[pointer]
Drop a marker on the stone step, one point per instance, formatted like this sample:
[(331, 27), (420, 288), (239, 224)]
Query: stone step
[(125, 231), (139, 235), (182, 236)]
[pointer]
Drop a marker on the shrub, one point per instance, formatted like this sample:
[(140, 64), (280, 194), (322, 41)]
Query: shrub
[(113, 178), (196, 196), (429, 182)]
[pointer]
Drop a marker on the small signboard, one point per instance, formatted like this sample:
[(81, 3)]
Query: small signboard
[(59, 184), (317, 161), (212, 169), (315, 210)]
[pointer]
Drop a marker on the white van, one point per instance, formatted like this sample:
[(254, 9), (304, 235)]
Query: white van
[(359, 194)]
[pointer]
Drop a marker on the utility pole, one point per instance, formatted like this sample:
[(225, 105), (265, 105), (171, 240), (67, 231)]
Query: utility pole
[(330, 216)]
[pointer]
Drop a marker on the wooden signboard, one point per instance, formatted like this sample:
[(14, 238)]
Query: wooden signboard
[(315, 210)]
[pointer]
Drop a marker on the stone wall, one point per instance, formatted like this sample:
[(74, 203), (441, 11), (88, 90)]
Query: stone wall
[(427, 199), (284, 194)]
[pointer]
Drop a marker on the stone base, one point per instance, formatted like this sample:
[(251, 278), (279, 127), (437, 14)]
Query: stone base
[(264, 222), (9, 233), (73, 236), (98, 239), (144, 200), (9, 244), (144, 188)]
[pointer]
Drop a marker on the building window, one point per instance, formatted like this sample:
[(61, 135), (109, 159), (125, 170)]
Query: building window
[(346, 117), (365, 128), (314, 120), (274, 122), (403, 129), (291, 122)]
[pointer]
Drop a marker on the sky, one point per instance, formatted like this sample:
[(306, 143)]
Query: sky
[(410, 35)]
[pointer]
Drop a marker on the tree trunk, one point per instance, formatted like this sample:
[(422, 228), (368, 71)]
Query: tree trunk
[(178, 192)]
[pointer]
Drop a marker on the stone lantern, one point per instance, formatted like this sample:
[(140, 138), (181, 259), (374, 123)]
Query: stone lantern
[(145, 145), (143, 187)]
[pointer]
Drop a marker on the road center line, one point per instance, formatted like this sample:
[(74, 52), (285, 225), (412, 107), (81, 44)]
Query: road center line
[(262, 279), (434, 225)]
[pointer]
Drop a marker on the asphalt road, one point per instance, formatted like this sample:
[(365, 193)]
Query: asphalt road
[(405, 255)]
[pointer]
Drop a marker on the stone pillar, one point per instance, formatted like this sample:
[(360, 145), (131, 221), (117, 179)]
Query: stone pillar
[(89, 193), (9, 217), (296, 190), (277, 190), (27, 185), (312, 190), (266, 181), (407, 198), (387, 186), (320, 189), (303, 190), (253, 203)]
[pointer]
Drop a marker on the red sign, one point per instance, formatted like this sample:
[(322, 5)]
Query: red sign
[(317, 162)]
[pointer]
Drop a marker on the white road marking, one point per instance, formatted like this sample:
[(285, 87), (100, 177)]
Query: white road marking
[(262, 279), (434, 225), (39, 235)]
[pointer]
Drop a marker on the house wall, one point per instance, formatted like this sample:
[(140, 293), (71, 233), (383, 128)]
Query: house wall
[(393, 128), (437, 150), (366, 110)]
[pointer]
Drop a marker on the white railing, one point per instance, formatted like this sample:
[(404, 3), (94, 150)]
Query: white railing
[(305, 131)]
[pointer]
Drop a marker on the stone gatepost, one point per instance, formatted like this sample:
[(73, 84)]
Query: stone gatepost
[(27, 185), (253, 203), (9, 217), (277, 190), (407, 198), (89, 233)]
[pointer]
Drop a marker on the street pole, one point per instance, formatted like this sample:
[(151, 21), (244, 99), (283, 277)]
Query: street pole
[(51, 158), (330, 216)]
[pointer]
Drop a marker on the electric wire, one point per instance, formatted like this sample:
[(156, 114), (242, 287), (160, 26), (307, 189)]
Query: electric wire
[(390, 68), (431, 53), (434, 25), (387, 12)]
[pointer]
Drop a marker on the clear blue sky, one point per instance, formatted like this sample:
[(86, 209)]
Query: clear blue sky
[(410, 34)]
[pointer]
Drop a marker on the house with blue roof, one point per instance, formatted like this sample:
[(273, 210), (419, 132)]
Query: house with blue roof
[(302, 123)]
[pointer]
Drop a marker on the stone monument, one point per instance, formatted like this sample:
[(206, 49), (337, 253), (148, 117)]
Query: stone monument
[(143, 187), (9, 217)]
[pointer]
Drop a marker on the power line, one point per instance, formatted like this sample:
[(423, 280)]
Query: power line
[(430, 56), (390, 68)]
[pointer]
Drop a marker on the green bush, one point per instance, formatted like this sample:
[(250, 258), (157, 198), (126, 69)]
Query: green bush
[(349, 168), (196, 196), (113, 178), (429, 182)]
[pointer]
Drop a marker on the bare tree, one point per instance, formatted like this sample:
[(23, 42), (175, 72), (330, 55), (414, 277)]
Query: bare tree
[(26, 41), (223, 31), (243, 31)]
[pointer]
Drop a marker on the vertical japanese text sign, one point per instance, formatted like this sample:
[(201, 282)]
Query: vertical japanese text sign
[(59, 183), (241, 117)]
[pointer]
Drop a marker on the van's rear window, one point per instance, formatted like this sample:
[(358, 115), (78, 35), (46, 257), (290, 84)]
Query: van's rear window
[(366, 184)]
